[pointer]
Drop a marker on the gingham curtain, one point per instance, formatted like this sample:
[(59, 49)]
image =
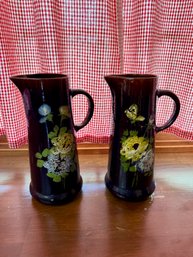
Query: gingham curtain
[(87, 39)]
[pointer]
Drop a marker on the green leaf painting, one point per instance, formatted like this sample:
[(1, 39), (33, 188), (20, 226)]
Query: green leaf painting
[(40, 163), (45, 152)]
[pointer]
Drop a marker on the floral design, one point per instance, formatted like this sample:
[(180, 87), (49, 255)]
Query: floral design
[(133, 148), (59, 159), (64, 112), (136, 153), (146, 162), (62, 144), (45, 111)]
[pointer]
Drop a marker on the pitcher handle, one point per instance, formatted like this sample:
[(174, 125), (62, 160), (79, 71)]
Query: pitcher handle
[(176, 109), (74, 92)]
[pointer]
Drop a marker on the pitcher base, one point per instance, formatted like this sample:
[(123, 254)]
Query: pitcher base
[(56, 199), (132, 195)]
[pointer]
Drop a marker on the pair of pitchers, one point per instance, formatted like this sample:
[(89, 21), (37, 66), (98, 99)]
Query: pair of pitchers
[(55, 175)]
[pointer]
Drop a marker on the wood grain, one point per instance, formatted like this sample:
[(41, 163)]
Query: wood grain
[(96, 223)]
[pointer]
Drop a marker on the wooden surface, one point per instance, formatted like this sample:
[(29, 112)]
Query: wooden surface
[(165, 143), (96, 223)]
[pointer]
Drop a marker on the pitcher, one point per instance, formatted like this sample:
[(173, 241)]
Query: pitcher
[(54, 166), (132, 148)]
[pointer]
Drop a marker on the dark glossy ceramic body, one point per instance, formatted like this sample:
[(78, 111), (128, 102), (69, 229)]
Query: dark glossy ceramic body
[(132, 148), (55, 175)]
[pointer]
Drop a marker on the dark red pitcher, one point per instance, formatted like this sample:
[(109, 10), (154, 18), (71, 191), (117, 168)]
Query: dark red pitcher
[(132, 148), (55, 175)]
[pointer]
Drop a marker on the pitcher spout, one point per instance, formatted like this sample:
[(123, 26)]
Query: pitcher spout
[(115, 81), (19, 82), (110, 79)]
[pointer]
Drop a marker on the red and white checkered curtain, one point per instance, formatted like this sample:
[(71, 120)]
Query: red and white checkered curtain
[(87, 39)]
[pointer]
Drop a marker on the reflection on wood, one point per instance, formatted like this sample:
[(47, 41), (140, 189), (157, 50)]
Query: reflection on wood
[(97, 223)]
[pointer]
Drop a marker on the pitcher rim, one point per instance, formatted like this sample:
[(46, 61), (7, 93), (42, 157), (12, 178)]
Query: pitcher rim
[(132, 76), (37, 76)]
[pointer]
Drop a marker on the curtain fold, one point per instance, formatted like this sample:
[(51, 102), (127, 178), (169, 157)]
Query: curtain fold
[(87, 40)]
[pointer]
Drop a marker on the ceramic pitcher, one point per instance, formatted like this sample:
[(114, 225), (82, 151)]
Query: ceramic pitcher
[(130, 172), (55, 175)]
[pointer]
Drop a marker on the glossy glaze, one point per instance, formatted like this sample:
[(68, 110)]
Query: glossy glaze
[(131, 157), (55, 175)]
